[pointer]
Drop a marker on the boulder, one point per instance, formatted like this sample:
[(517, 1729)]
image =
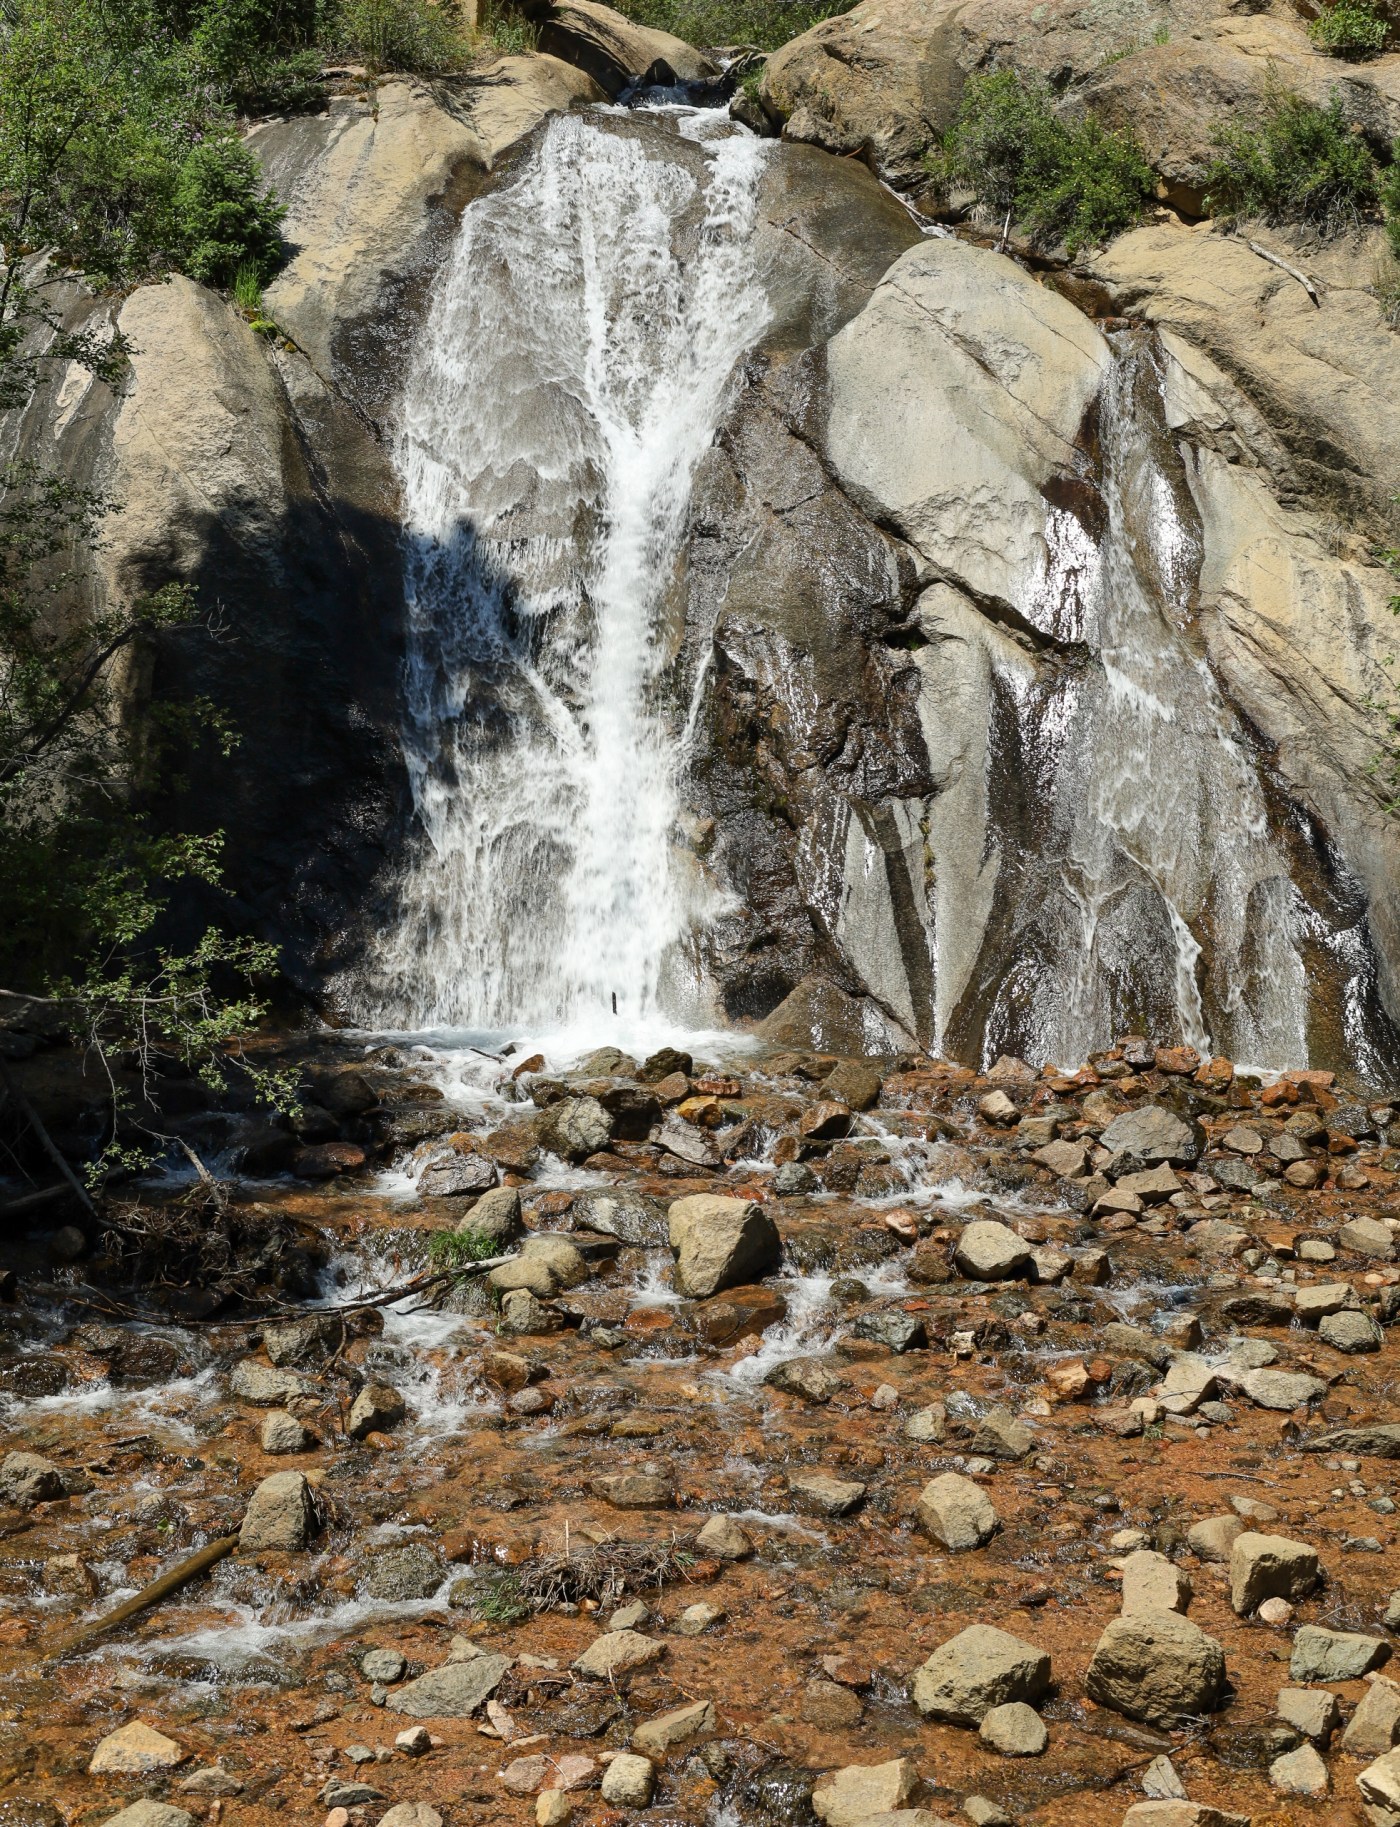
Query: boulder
[(1181, 1814), (988, 1251), (376, 1409), (808, 1378), (618, 1211), (1014, 1730), (453, 1691), (981, 1668), (849, 1797), (135, 1750), (29, 1478), (1351, 1333), (1315, 1713), (1367, 1237), (618, 1652), (281, 1515), (662, 1734), (264, 1388), (150, 1814), (410, 1571), (495, 1216), (1152, 1583), (575, 1127), (826, 1495), (1300, 1772), (613, 50), (1334, 1655), (957, 1513), (1270, 1566), (628, 1781), (722, 1539), (1157, 1667), (854, 1084), (1001, 1435), (1379, 1782), (1381, 1441), (456, 1176), (720, 1243), (1374, 1728), (283, 1433), (1281, 1389), (1155, 1134)]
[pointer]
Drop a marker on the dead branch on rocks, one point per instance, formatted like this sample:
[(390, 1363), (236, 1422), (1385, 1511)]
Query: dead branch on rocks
[(603, 1572), (208, 1556)]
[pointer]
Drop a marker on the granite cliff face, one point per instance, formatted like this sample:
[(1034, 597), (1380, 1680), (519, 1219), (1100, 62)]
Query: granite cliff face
[(1024, 683)]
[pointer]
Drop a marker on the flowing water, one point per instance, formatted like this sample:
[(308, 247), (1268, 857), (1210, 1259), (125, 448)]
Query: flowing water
[(1152, 889), (576, 362), (571, 373)]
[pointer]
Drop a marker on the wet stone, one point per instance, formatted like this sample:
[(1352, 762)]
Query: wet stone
[(29, 1478), (825, 1495), (1351, 1333), (396, 1574), (981, 1668), (957, 1513)]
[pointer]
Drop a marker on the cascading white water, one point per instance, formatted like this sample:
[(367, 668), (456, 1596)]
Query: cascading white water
[(571, 373), (1159, 890)]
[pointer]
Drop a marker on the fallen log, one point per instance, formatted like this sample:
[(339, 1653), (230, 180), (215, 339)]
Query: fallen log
[(208, 1556)]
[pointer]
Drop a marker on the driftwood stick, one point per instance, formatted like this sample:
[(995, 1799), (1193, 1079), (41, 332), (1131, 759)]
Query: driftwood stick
[(31, 1116), (27, 1201), (1283, 266), (208, 1556)]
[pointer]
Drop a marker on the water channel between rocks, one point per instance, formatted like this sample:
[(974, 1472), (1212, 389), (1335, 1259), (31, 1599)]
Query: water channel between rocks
[(585, 346)]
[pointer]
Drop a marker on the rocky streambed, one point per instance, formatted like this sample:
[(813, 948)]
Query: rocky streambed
[(854, 1441)]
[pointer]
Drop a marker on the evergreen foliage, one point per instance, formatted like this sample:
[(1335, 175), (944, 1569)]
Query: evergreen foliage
[(1060, 179)]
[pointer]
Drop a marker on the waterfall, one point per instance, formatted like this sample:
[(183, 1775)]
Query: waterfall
[(1156, 894), (572, 370)]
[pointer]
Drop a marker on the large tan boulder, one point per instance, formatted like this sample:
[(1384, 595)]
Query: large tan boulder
[(1306, 404), (886, 78), (955, 396), (720, 1243), (611, 49)]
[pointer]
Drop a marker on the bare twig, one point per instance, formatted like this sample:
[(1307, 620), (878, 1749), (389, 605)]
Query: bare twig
[(46, 1141), (1292, 271)]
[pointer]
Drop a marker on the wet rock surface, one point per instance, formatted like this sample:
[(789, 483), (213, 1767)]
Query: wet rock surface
[(872, 1530)]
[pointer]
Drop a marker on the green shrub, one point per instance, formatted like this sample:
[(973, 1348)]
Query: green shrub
[(1388, 190), (414, 35), (226, 227), (1074, 181), (505, 34), (259, 54), (1350, 28), (763, 24), (454, 1249), (1299, 163)]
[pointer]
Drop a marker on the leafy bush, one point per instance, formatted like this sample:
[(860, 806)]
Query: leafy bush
[(225, 225), (504, 34), (415, 35), (1299, 163), (260, 54), (454, 1249), (764, 24), (1074, 181), (1388, 190), (1350, 28)]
